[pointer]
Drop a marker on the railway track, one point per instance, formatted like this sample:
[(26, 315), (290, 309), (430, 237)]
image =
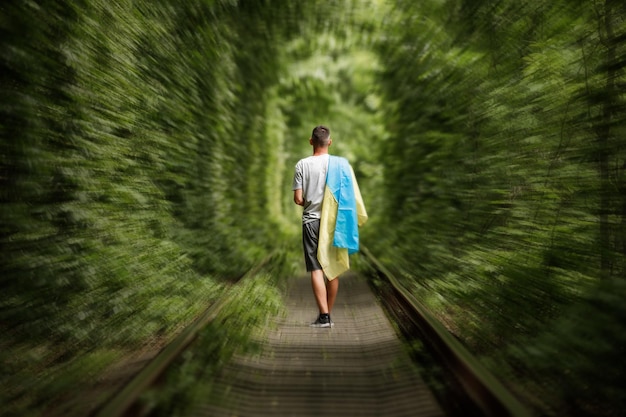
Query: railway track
[(359, 367), (477, 391)]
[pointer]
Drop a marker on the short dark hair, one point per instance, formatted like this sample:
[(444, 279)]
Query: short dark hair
[(320, 136)]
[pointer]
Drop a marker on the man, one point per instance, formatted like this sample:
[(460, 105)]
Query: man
[(326, 188)]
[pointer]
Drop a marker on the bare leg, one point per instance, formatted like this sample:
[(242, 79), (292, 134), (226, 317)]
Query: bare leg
[(332, 287), (319, 290)]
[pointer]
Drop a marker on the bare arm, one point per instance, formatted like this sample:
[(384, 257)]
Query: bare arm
[(297, 197)]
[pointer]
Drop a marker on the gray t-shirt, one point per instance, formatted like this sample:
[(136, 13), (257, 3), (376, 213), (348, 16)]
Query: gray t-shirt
[(310, 176)]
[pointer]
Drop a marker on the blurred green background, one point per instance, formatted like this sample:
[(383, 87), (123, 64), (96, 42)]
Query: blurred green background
[(147, 152)]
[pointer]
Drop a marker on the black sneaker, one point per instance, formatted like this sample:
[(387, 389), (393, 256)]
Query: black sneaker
[(323, 321)]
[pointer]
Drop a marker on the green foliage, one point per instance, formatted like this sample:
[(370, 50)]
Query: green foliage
[(560, 358), (501, 176), (133, 175), (147, 152), (87, 233), (236, 329)]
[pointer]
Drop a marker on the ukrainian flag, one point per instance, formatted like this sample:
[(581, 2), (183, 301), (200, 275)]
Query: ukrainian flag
[(343, 212)]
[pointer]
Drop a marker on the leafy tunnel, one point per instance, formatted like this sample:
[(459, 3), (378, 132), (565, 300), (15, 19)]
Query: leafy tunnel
[(148, 151)]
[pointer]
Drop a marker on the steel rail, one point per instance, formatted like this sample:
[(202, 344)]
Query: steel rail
[(487, 393), (121, 402)]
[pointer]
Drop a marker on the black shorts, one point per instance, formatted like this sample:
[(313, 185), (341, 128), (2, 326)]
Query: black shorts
[(310, 237)]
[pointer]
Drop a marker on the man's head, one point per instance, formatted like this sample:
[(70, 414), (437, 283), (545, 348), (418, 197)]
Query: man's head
[(320, 137)]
